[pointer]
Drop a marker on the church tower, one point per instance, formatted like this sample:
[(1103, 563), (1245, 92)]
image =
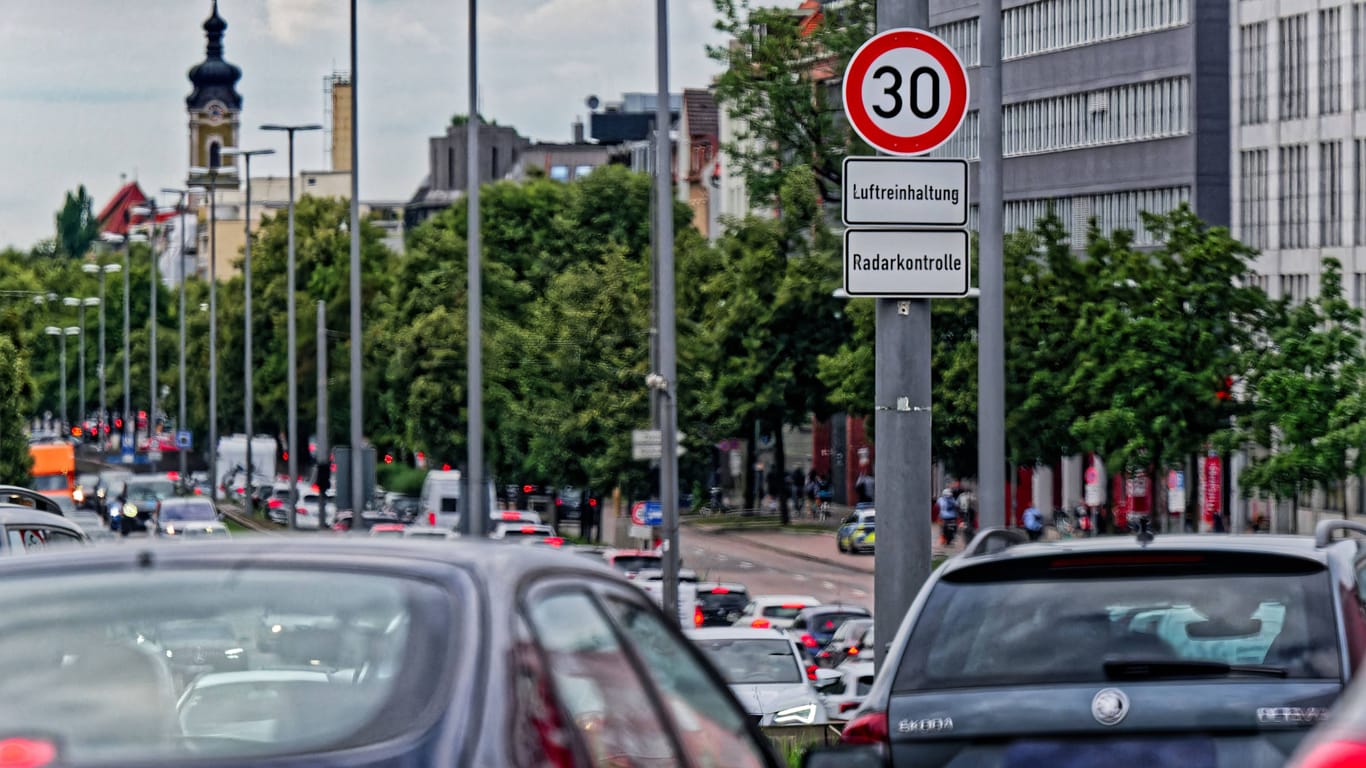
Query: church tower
[(215, 109)]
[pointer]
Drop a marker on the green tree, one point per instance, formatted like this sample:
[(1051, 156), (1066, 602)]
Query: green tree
[(16, 402), (1307, 387), (77, 228), (777, 85)]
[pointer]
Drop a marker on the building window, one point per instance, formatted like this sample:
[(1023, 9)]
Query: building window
[(580, 171), (1294, 204), (1253, 198), (962, 37), (1294, 71), (1359, 290), (1252, 84), (1359, 56), (1330, 61), (450, 168), (1358, 190), (1330, 193), (1052, 25), (964, 142), (1025, 214), (215, 154), (1295, 288), (1135, 112), (1122, 210), (559, 172)]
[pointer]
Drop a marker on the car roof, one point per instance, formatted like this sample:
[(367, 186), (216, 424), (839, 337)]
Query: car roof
[(1292, 546), (13, 514), (736, 633), (808, 600), (214, 679)]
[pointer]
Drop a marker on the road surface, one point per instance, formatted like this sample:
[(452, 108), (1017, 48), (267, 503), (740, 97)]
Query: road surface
[(769, 562)]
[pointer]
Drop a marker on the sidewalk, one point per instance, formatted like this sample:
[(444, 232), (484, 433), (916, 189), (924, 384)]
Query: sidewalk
[(817, 547)]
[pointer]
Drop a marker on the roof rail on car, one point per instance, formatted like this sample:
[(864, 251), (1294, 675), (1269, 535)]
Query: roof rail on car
[(1323, 532), (989, 541)]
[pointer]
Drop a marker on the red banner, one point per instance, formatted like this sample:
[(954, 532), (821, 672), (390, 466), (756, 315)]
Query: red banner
[(1212, 480)]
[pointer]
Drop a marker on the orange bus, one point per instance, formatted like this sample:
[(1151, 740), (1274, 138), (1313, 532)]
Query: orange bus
[(54, 469)]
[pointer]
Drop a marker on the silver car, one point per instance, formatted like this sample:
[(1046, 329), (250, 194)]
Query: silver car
[(764, 670)]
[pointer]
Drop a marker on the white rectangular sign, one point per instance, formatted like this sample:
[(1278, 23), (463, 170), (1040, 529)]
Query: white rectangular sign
[(883, 191), (906, 263)]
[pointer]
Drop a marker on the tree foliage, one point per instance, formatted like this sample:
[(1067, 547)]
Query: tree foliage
[(77, 228), (16, 402)]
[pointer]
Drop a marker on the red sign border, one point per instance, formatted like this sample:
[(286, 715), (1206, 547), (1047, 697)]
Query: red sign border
[(857, 111)]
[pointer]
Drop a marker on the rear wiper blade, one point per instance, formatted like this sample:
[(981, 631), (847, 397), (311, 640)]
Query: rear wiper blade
[(1158, 669)]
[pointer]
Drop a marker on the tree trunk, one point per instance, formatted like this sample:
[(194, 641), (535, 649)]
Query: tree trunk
[(779, 469)]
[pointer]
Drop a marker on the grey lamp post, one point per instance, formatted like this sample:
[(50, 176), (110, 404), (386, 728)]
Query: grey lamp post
[(183, 196), (103, 271), (61, 334), (150, 211), (129, 423), (247, 155), (213, 174), (293, 375), (82, 303)]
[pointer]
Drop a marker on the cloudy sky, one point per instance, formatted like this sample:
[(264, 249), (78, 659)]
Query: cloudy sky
[(92, 89)]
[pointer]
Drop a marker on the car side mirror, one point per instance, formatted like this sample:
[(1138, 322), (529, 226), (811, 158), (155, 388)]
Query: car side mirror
[(827, 678), (843, 757)]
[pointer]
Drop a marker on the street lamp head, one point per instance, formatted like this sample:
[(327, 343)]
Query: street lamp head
[(52, 330), (90, 269), (71, 330), (113, 238), (71, 301), (93, 301), (112, 268), (203, 307), (239, 152), (51, 296), (137, 238), (278, 127)]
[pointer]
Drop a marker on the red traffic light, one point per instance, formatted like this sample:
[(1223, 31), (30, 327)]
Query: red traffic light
[(118, 423), (445, 467), (286, 455), (388, 458), (528, 488)]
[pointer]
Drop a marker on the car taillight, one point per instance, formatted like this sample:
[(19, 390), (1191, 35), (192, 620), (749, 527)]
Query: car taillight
[(760, 624), (793, 606), (301, 510), (697, 617), (26, 753), (1335, 754), (809, 641), (511, 516), (275, 504), (811, 671), (720, 591), (431, 518), (528, 529), (853, 651), (849, 706), (867, 730), (823, 655), (554, 541)]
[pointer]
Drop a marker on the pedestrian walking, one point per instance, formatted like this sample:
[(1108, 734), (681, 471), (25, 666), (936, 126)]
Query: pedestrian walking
[(948, 517)]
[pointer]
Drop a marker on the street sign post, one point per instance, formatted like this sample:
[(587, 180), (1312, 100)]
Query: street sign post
[(647, 513), (905, 91), (906, 263), (184, 440), (892, 191)]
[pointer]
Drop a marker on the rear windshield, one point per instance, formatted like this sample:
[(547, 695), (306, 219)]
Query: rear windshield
[(827, 623), (981, 632), (752, 661), (728, 601), (161, 489), (517, 532), (49, 482), (188, 511), (176, 665), (782, 611), (450, 504), (632, 563)]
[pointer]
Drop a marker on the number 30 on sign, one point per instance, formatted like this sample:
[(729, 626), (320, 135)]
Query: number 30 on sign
[(905, 91)]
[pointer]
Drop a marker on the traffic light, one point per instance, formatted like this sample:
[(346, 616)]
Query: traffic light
[(118, 423), (1225, 390)]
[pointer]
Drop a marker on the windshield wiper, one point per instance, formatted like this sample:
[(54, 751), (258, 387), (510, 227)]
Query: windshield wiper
[(1158, 669)]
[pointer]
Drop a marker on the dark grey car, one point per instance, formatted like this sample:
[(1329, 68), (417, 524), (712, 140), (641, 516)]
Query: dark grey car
[(1198, 651), (467, 654)]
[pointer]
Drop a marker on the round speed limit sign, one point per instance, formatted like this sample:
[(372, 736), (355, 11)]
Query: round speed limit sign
[(905, 91)]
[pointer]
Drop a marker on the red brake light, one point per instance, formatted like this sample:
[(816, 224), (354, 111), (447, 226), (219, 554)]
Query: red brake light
[(511, 516), (849, 706), (198, 492), (285, 455), (720, 591), (275, 503), (445, 467), (811, 671), (528, 529), (554, 541), (793, 606), (869, 729), (853, 651), (809, 642), (173, 476), (1335, 754), (315, 487), (697, 617), (592, 502), (431, 518), (26, 753), (761, 624)]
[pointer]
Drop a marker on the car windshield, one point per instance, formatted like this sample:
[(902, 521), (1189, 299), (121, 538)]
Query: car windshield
[(634, 563), (1047, 630), (165, 664), (160, 489), (752, 661), (48, 483), (188, 511)]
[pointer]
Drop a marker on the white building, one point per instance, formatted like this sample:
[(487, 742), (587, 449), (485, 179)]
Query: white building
[(1298, 108)]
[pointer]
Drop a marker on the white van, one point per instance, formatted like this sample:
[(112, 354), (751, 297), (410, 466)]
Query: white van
[(232, 454), (440, 502)]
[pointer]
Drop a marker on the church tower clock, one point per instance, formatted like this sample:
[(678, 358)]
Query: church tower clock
[(215, 109)]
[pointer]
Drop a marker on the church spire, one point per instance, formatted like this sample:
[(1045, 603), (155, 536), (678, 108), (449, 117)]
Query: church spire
[(214, 79)]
